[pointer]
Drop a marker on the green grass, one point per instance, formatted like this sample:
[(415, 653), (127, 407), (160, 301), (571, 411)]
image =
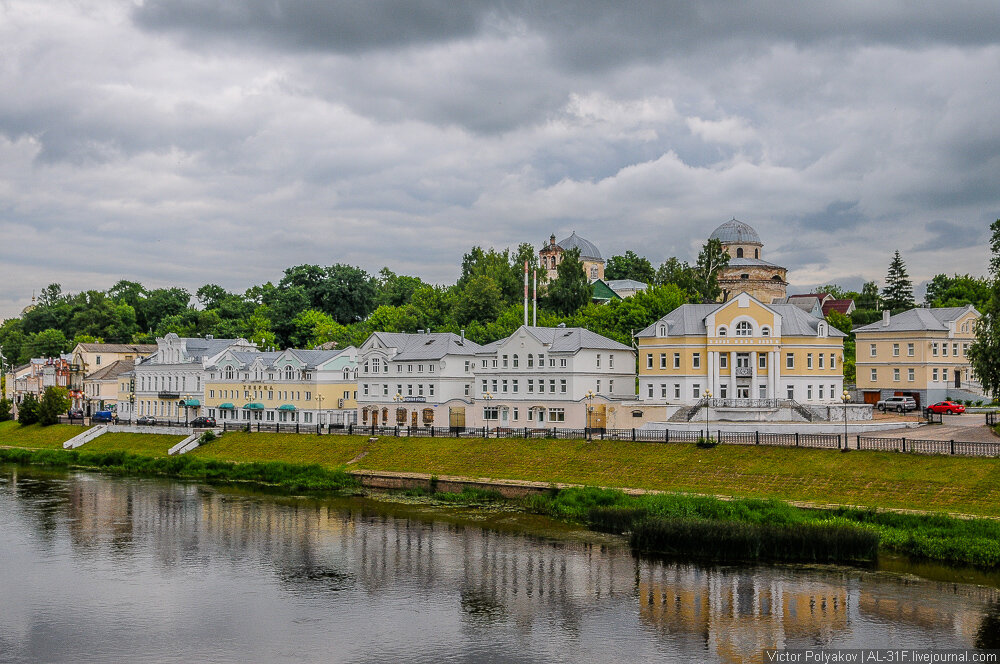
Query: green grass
[(146, 444), (37, 436), (327, 451)]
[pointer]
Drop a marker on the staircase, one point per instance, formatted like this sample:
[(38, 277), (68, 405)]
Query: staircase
[(805, 411), (85, 437), (688, 413)]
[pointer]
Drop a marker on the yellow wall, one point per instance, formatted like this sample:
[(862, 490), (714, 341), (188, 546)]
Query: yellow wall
[(259, 391)]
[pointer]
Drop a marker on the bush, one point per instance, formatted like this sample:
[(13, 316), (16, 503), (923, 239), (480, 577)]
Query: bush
[(55, 402), (27, 412), (5, 406), (207, 437), (706, 443)]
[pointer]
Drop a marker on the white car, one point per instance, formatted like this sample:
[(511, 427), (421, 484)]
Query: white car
[(898, 404)]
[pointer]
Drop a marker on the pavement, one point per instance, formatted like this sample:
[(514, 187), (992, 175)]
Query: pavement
[(968, 427)]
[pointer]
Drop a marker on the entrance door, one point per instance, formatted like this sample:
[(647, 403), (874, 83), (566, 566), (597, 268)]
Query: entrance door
[(413, 419), (742, 391), (456, 417), (599, 417), (958, 378), (872, 397)]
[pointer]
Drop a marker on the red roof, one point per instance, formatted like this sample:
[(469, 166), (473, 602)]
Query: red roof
[(842, 306)]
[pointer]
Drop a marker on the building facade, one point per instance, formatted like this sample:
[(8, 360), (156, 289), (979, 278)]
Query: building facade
[(169, 384), (89, 358), (921, 353), (293, 386), (544, 377), (742, 349), (550, 256), (747, 271), (101, 389), (423, 379)]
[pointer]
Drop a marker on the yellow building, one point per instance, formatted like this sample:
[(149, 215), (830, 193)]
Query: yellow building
[(292, 386), (102, 388), (740, 350), (921, 353), (91, 358), (551, 255)]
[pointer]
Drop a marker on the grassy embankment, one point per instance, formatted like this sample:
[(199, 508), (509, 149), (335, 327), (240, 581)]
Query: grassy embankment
[(759, 476), (36, 436)]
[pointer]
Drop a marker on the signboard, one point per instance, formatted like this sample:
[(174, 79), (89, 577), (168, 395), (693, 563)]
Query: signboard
[(414, 399)]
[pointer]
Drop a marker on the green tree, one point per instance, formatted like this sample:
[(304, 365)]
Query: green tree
[(630, 266), (898, 291), (54, 403), (5, 406), (159, 304), (984, 352), (481, 299), (957, 291), (27, 410), (571, 289), (711, 260), (679, 273), (12, 340), (313, 328), (48, 343), (396, 290), (499, 267), (839, 321)]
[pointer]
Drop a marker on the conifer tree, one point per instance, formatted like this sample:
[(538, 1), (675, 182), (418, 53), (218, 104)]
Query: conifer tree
[(898, 292), (984, 352)]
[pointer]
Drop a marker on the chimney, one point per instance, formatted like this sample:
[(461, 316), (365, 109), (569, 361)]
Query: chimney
[(209, 336), (885, 317), (420, 331), (463, 334)]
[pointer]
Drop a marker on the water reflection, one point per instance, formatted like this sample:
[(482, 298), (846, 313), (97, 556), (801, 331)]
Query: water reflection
[(206, 574)]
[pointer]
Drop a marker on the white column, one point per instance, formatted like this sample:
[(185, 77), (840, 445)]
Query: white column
[(754, 390), (732, 374), (777, 375), (710, 383)]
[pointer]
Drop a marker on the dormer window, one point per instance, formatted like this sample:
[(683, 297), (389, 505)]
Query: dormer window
[(663, 330), (289, 373), (722, 330), (765, 331)]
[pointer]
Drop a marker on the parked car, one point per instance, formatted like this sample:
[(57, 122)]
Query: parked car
[(950, 407), (203, 422), (102, 416), (898, 404), (146, 420), (75, 414)]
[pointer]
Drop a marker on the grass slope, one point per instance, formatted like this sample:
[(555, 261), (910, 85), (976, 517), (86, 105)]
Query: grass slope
[(155, 445), (328, 451), (36, 436)]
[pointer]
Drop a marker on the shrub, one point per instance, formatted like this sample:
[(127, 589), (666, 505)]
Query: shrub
[(55, 402), (207, 437), (5, 406), (27, 412), (706, 443)]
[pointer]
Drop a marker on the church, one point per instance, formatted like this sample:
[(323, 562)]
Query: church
[(747, 271)]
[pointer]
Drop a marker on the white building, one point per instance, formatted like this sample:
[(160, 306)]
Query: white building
[(169, 384)]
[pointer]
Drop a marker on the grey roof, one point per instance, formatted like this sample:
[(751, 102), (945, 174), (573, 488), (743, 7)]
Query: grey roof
[(572, 339), (314, 358), (586, 247), (689, 319), (113, 370), (751, 262), (919, 319), (735, 231), (626, 284), (143, 349), (431, 346)]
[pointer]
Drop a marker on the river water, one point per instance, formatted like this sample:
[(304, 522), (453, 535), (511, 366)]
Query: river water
[(105, 569)]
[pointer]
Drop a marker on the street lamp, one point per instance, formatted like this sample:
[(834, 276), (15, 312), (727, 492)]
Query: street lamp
[(398, 399), (846, 398), (489, 397), (319, 415), (708, 404), (589, 396)]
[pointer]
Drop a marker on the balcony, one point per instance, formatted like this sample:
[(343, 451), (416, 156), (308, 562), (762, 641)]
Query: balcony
[(744, 372), (168, 395)]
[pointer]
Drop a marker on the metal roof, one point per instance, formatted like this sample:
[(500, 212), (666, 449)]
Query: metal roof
[(919, 319), (735, 231), (587, 248), (433, 346), (689, 320), (564, 340)]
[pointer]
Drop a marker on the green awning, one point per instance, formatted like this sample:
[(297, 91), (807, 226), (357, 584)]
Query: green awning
[(254, 406), (227, 406), (190, 402), (286, 406)]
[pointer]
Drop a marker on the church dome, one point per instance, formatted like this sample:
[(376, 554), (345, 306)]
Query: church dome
[(588, 251), (735, 231)]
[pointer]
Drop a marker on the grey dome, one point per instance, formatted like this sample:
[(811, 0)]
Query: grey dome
[(735, 231), (586, 247)]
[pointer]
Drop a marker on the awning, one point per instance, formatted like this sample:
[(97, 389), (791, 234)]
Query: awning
[(254, 406), (286, 406), (227, 406), (191, 402)]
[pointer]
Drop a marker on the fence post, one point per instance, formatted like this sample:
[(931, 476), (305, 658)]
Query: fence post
[(838, 441), (904, 443), (633, 434), (796, 439), (718, 438), (756, 437), (952, 445), (258, 427), (432, 432), (667, 435), (350, 429), (859, 441)]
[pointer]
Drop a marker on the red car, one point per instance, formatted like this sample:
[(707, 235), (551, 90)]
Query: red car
[(949, 407)]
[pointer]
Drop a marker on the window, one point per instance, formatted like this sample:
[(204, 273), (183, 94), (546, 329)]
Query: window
[(910, 375), (874, 375), (485, 363), (531, 361), (504, 361), (944, 375), (909, 350), (965, 349), (420, 368), (491, 413), (562, 386), (663, 330), (541, 360), (663, 361), (466, 366), (649, 360), (531, 385), (552, 361), (485, 389), (790, 391), (597, 390), (309, 395), (399, 389), (557, 415), (563, 362), (765, 331), (789, 360), (515, 414), (466, 389), (493, 384), (650, 390), (696, 391), (762, 361), (289, 373), (385, 389), (420, 390), (723, 391), (934, 374), (552, 386), (229, 373), (364, 389), (211, 393), (895, 375), (677, 360), (895, 350), (871, 350), (504, 385), (954, 349), (723, 360), (934, 349), (744, 328), (809, 392), (821, 392), (409, 367), (809, 360), (611, 361), (513, 386), (722, 330), (696, 360), (821, 360), (663, 390), (430, 368), (515, 360), (541, 386), (833, 361), (409, 390)]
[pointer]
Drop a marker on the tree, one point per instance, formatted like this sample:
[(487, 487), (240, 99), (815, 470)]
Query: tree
[(345, 292), (54, 403), (898, 291), (313, 328), (571, 289), (957, 291), (480, 300), (48, 343), (868, 298), (5, 406), (396, 289), (984, 352), (27, 411), (673, 271), (630, 266), (712, 259)]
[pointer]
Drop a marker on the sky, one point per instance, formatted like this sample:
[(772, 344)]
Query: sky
[(185, 142)]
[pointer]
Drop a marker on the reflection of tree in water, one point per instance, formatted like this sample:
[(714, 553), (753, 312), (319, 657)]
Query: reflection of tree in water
[(47, 497), (314, 579), (482, 607), (988, 637)]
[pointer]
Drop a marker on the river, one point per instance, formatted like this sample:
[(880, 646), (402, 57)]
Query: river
[(106, 569)]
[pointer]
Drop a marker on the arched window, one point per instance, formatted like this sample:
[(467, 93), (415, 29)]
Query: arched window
[(515, 360), (765, 331), (776, 277), (739, 252), (289, 373), (376, 365), (531, 360), (593, 272), (663, 330), (366, 366), (722, 330), (347, 374), (756, 253), (744, 328), (229, 373)]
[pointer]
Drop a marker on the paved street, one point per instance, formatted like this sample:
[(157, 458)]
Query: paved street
[(969, 427)]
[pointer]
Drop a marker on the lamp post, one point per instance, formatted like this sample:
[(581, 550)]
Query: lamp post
[(319, 415), (489, 397), (708, 404), (846, 398), (589, 396), (398, 399)]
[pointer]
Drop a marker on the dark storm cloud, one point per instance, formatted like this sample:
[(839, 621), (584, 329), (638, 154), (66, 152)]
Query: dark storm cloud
[(834, 218), (943, 235)]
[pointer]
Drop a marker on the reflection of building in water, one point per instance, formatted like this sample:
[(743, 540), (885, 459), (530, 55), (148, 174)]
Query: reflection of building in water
[(929, 610)]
